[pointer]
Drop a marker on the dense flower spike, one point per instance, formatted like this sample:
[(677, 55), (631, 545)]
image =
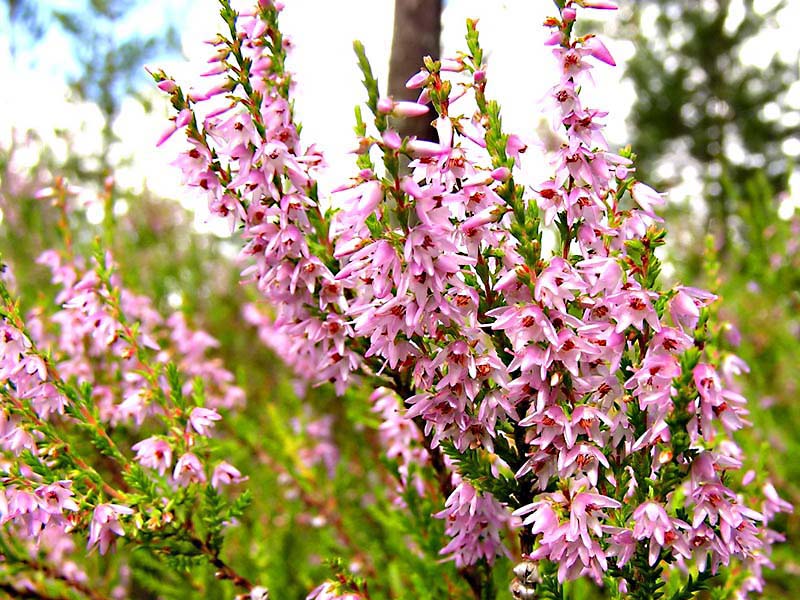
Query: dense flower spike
[(565, 385)]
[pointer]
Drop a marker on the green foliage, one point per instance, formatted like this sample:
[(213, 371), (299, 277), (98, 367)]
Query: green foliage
[(694, 95), (697, 583), (550, 588), (474, 466), (369, 82)]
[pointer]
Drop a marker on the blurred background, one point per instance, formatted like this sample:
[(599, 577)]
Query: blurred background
[(706, 92)]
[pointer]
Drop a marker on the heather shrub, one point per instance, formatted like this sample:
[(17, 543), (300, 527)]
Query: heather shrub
[(492, 390)]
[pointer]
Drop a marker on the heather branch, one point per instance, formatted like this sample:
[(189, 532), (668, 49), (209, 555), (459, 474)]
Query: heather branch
[(13, 557), (574, 369)]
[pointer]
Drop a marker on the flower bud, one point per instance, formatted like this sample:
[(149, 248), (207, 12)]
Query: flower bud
[(501, 174), (385, 105), (391, 139), (409, 109), (426, 149), (452, 65), (598, 4), (418, 80), (598, 50), (486, 216), (168, 85)]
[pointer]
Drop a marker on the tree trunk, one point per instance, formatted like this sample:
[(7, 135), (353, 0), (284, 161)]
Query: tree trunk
[(417, 29)]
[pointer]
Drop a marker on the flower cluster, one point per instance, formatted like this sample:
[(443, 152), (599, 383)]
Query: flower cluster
[(76, 379), (563, 384)]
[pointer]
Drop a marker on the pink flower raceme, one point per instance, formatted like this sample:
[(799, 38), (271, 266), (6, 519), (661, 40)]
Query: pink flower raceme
[(474, 520), (571, 372)]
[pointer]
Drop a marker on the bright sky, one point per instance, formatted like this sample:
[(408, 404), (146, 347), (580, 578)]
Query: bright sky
[(328, 82)]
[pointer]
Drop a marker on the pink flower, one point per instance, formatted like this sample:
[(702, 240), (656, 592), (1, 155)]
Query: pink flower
[(202, 419), (646, 197), (633, 308), (773, 503), (105, 526), (154, 453), (57, 497), (652, 522), (188, 470), (226, 474)]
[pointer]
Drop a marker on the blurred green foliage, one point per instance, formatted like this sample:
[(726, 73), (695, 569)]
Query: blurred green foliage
[(697, 95), (696, 98)]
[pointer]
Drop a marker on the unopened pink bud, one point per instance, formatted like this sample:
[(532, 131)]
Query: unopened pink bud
[(385, 105), (479, 76), (183, 118), (215, 91), (554, 39), (45, 193), (215, 70), (480, 179), (219, 111), (486, 216), (501, 174), (599, 51), (599, 4), (392, 139), (166, 135), (569, 14), (167, 85), (452, 65), (418, 80), (426, 149), (409, 109)]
